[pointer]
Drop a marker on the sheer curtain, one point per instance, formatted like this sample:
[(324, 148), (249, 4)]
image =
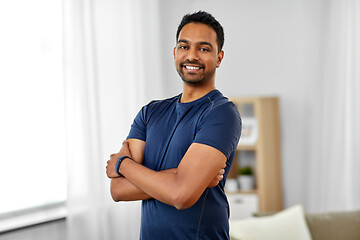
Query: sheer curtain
[(104, 89), (334, 131)]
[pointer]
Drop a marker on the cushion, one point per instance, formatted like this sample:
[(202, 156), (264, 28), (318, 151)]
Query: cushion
[(285, 225)]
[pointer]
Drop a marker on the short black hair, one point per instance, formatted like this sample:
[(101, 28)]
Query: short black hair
[(205, 18)]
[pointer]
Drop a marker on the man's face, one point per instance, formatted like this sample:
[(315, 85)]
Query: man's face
[(196, 54)]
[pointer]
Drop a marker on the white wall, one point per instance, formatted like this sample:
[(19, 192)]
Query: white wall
[(270, 49)]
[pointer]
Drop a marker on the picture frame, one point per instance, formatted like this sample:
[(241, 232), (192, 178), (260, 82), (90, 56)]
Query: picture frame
[(249, 131)]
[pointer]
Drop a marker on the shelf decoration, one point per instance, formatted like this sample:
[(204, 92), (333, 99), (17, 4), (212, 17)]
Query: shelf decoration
[(249, 132), (246, 178)]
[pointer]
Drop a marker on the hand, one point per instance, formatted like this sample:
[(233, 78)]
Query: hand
[(111, 164), (217, 179)]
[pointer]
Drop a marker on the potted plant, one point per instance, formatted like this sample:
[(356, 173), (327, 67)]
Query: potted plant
[(246, 178)]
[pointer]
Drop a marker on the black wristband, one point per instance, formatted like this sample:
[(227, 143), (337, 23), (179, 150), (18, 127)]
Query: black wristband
[(117, 167)]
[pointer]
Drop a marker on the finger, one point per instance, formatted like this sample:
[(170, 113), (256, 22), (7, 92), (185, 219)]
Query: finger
[(112, 155), (222, 171)]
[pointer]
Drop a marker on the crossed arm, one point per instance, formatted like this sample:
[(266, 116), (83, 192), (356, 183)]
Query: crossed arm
[(201, 167)]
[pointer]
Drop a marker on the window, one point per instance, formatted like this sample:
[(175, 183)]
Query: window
[(32, 122)]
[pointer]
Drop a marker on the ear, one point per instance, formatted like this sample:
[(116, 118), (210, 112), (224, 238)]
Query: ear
[(220, 58), (174, 52)]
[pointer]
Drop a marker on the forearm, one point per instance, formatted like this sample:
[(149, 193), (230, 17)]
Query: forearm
[(166, 186), (123, 190), (180, 188)]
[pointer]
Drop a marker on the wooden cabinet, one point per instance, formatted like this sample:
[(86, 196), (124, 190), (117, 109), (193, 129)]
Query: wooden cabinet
[(260, 148), (242, 205)]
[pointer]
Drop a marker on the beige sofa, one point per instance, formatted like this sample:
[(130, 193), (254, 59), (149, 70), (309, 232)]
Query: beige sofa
[(295, 224), (332, 225)]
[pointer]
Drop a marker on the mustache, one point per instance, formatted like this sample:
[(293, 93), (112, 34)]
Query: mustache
[(195, 62)]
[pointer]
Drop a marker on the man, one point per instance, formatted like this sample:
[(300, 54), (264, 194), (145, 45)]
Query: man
[(179, 150)]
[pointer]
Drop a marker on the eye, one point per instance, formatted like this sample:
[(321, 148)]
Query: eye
[(183, 47), (204, 50)]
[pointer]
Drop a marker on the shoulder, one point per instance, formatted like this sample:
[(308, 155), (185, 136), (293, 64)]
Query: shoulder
[(158, 106), (221, 107), (220, 125), (155, 104), (159, 103), (220, 114)]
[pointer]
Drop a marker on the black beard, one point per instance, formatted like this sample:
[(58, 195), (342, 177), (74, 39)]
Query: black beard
[(194, 83)]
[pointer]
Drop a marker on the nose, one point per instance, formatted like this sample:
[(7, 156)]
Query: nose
[(192, 55)]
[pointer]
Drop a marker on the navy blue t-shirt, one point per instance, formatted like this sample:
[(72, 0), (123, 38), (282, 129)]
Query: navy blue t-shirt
[(168, 128)]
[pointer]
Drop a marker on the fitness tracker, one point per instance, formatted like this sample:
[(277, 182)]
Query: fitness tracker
[(120, 159)]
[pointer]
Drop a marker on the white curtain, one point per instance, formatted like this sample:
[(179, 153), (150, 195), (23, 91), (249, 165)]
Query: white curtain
[(104, 89), (334, 124)]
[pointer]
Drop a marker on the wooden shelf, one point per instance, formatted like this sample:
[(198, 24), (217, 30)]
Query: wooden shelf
[(265, 154), (246, 147), (243, 192)]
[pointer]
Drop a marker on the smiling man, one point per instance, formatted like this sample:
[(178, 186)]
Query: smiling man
[(180, 150)]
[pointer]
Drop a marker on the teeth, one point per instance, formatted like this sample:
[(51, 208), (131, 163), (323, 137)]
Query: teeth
[(192, 68)]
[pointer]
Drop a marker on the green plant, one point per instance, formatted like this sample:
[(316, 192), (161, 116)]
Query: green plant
[(246, 170)]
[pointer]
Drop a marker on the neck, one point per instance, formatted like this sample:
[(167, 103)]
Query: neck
[(191, 93)]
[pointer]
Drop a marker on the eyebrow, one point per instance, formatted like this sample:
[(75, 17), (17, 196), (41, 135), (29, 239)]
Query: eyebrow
[(199, 43)]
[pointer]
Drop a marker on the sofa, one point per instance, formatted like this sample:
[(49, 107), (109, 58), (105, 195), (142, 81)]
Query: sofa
[(334, 225), (295, 224)]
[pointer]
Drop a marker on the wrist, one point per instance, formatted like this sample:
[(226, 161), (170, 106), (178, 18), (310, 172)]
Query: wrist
[(118, 163)]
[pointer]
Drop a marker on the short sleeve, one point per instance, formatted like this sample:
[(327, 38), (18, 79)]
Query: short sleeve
[(138, 128), (220, 128)]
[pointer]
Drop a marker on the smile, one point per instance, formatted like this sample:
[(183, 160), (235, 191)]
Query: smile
[(192, 67)]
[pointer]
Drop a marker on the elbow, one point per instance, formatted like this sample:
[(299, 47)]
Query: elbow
[(115, 195), (118, 196), (184, 201), (183, 206)]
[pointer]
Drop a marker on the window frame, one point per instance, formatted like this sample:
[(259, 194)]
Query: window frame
[(16, 220)]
